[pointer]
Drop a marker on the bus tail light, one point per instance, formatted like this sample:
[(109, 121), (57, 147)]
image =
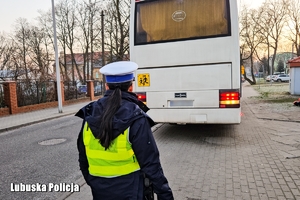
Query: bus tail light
[(229, 99), (141, 96)]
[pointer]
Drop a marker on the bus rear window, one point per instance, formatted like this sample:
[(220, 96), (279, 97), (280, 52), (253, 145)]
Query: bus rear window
[(173, 20)]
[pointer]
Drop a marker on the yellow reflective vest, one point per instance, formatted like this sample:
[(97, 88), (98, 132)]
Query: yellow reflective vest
[(117, 160)]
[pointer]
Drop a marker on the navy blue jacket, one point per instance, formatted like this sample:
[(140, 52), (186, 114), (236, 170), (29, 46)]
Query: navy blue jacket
[(131, 186)]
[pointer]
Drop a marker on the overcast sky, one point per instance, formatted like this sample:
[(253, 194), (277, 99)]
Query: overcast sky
[(11, 10)]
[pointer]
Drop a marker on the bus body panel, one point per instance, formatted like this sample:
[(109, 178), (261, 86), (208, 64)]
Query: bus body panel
[(189, 78), (198, 68), (178, 53)]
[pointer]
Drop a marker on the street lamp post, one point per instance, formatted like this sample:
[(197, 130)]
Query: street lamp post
[(103, 57), (58, 85)]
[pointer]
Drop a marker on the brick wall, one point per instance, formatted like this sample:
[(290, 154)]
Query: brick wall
[(10, 98), (4, 111)]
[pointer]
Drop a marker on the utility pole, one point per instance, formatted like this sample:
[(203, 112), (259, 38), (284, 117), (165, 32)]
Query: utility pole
[(103, 5)]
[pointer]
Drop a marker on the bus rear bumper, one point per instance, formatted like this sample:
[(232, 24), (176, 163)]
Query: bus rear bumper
[(196, 116)]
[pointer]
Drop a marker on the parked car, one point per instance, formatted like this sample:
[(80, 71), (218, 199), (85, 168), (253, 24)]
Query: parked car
[(281, 78), (82, 89), (98, 89), (268, 78)]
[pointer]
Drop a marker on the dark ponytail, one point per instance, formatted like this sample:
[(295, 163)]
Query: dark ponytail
[(112, 105)]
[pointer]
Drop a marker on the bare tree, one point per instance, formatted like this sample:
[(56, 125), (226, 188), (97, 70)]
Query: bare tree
[(37, 53), (250, 38), (95, 12), (21, 34), (62, 39), (117, 29), (5, 52), (67, 26), (89, 20), (83, 23), (46, 25), (273, 20), (294, 23)]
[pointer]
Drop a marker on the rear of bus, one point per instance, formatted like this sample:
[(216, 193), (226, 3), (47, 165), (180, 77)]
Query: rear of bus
[(188, 57)]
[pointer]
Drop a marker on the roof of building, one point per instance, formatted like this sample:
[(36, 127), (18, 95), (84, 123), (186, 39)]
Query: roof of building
[(295, 62), (97, 58), (79, 57)]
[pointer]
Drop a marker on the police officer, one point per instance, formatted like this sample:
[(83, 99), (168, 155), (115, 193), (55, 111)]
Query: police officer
[(116, 146)]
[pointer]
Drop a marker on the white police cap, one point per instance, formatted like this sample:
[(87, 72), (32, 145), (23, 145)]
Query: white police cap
[(119, 72)]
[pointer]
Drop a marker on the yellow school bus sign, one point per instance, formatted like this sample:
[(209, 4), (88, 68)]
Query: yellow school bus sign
[(143, 80)]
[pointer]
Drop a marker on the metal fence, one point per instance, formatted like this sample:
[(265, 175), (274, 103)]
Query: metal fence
[(2, 101), (35, 92), (70, 90)]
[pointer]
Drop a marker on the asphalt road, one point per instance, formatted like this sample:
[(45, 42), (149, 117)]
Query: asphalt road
[(43, 153)]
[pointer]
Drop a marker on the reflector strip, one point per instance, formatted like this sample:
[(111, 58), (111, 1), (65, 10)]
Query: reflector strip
[(230, 102)]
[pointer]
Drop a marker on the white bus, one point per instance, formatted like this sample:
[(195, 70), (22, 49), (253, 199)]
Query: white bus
[(188, 57)]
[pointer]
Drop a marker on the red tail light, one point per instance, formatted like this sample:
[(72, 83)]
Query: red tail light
[(141, 96), (229, 99)]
